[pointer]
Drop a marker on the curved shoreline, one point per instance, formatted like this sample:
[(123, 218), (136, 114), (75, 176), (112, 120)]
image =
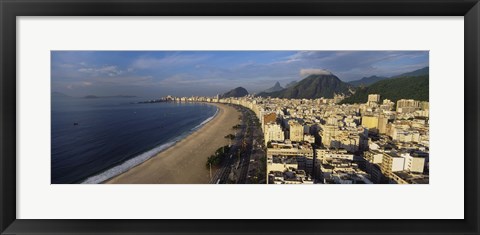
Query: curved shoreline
[(184, 162), (123, 167)]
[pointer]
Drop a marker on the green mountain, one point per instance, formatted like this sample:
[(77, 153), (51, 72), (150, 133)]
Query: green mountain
[(237, 92), (292, 83), (312, 87), (405, 87), (366, 81), (418, 72)]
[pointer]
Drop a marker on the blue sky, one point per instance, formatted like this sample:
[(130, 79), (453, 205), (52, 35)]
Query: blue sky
[(186, 73)]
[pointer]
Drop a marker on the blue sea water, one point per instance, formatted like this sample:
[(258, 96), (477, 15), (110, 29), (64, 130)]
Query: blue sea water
[(115, 134)]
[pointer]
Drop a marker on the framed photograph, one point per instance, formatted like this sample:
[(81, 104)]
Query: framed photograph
[(230, 117)]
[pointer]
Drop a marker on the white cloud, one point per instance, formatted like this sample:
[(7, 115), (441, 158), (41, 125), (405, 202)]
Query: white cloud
[(74, 85), (125, 80), (188, 80), (66, 66), (109, 70), (305, 72), (168, 61)]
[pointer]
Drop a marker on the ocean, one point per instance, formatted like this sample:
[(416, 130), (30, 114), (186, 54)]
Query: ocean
[(93, 140)]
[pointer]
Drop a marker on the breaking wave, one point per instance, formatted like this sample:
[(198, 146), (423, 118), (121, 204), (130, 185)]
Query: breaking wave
[(137, 160)]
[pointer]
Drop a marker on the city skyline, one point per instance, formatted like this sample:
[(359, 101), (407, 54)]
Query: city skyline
[(207, 73), (320, 141)]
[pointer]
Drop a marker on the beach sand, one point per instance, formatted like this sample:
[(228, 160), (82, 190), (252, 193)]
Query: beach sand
[(184, 163)]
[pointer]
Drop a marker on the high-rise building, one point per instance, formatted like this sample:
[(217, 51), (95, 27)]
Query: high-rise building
[(327, 133), (382, 124), (373, 156), (370, 122), (273, 132), (296, 131), (407, 106), (268, 118), (414, 163), (373, 98), (391, 162)]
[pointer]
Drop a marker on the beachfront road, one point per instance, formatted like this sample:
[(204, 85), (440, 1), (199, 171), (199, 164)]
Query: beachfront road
[(235, 168)]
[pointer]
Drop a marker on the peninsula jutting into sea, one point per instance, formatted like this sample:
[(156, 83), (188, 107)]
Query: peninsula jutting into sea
[(350, 117)]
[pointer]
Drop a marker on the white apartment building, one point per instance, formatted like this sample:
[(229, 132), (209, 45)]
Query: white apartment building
[(273, 132), (413, 163), (296, 131)]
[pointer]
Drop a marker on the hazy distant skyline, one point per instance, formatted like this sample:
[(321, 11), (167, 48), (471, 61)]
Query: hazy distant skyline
[(207, 73)]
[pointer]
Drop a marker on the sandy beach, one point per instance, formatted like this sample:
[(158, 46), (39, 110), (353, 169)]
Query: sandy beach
[(184, 163)]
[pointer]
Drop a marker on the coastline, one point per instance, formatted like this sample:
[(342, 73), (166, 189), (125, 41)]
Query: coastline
[(184, 162)]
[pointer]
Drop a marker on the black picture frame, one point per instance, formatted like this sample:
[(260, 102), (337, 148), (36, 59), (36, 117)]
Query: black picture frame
[(10, 9)]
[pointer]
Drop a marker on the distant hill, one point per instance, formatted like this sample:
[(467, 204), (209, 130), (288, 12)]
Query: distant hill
[(418, 72), (115, 96), (237, 92), (59, 94), (406, 87), (366, 81), (276, 87), (312, 87), (290, 84)]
